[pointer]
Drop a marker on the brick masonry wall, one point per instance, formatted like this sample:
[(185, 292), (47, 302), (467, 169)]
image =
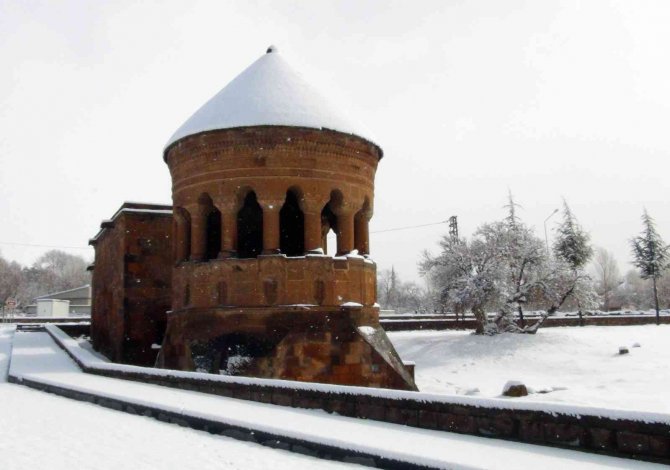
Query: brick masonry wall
[(316, 280), (271, 159), (131, 287), (107, 323)]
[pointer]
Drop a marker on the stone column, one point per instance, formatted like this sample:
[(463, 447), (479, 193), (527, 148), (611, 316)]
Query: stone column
[(345, 231), (198, 235), (362, 233), (312, 231), (228, 230), (271, 241), (313, 236)]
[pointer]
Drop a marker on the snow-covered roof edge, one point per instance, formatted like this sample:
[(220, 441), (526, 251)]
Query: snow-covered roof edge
[(133, 208), (46, 296), (269, 93)]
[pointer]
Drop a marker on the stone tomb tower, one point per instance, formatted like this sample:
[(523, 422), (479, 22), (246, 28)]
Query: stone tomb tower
[(260, 175)]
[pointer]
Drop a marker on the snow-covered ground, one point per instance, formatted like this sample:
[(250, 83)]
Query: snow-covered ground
[(40, 430), (574, 365)]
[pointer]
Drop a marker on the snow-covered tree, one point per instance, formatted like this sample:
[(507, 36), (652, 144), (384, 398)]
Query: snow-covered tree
[(572, 247), (523, 254), (467, 274), (504, 267), (572, 242), (650, 255)]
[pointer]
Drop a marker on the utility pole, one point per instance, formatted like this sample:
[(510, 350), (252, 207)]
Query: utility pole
[(453, 228)]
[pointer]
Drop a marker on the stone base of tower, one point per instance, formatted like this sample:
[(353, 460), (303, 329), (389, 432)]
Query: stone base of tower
[(335, 345)]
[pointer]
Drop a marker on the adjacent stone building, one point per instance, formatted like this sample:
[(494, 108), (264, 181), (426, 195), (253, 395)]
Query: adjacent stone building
[(131, 283), (260, 175)]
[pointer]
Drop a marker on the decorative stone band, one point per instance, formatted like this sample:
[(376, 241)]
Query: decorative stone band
[(275, 280)]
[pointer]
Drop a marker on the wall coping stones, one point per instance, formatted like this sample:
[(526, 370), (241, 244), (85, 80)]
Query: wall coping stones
[(640, 435)]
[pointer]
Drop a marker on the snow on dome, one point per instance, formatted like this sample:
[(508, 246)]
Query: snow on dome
[(268, 93)]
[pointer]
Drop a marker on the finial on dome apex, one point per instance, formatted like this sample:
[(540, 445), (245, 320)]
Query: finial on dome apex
[(272, 49)]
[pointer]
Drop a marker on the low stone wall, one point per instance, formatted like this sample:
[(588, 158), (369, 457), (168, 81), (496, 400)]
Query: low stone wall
[(413, 323), (73, 319), (623, 434), (268, 439)]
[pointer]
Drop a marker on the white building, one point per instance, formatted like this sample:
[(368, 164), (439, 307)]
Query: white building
[(79, 302)]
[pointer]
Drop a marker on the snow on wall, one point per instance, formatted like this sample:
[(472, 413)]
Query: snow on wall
[(88, 361)]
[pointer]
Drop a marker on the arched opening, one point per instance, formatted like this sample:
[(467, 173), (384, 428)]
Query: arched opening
[(291, 227), (182, 246), (212, 227), (250, 228), (328, 228), (329, 222), (213, 234), (231, 354)]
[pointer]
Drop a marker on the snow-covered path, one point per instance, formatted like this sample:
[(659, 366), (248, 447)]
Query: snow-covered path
[(576, 366), (40, 430), (37, 357)]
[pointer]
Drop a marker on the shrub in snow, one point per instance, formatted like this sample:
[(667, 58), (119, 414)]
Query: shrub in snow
[(623, 350), (514, 388)]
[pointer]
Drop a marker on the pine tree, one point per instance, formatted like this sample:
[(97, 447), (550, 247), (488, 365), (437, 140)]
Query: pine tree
[(572, 242), (650, 255), (572, 245)]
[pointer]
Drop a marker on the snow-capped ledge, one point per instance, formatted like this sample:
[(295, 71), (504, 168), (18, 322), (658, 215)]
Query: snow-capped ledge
[(89, 363)]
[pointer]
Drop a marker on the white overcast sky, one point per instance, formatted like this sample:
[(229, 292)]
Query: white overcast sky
[(468, 99)]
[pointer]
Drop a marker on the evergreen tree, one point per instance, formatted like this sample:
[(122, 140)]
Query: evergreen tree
[(650, 255), (572, 246), (572, 242)]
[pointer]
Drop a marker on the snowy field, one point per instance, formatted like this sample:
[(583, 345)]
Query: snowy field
[(570, 365), (39, 430)]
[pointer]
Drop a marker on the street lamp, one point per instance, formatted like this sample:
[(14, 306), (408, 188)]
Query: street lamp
[(546, 239)]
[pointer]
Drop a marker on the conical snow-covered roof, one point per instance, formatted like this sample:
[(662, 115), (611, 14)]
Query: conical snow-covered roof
[(268, 93)]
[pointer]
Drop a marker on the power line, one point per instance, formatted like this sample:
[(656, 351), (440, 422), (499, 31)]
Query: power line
[(409, 227), (86, 248), (45, 246)]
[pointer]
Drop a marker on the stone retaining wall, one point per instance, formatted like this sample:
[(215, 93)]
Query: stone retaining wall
[(413, 323), (574, 429)]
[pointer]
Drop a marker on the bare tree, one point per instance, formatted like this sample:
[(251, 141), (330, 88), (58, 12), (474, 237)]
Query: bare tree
[(397, 295), (10, 279), (53, 271), (385, 286), (607, 275)]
